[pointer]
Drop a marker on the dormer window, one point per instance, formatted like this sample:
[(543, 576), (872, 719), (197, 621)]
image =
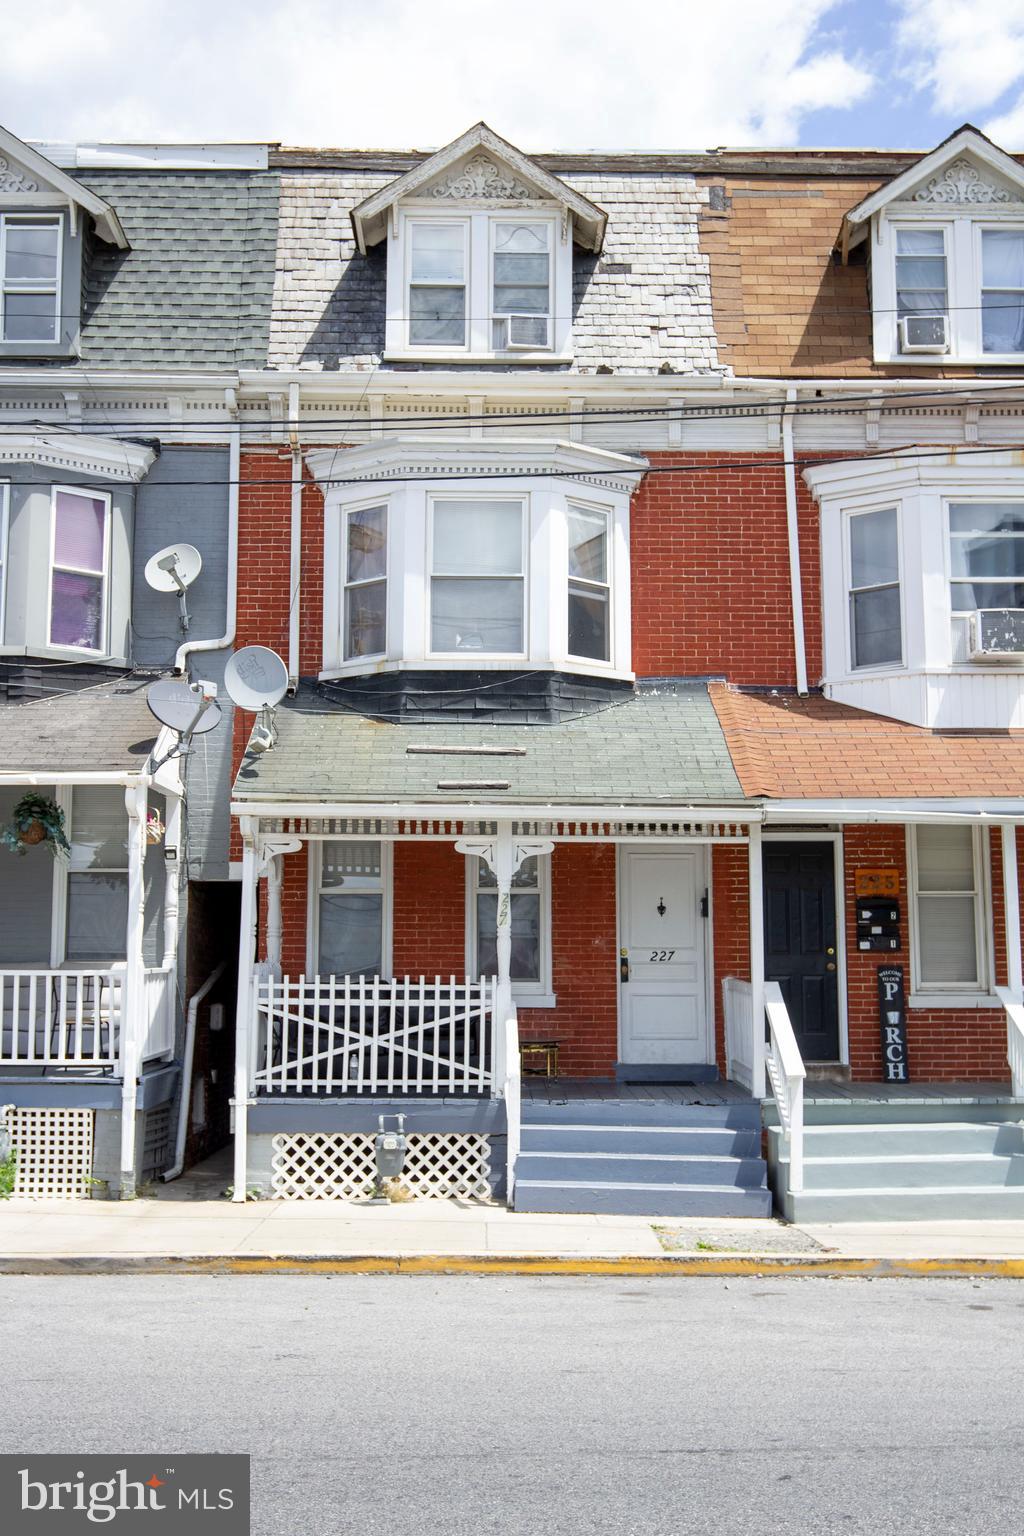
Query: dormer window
[(1002, 290), (521, 314), (30, 260)]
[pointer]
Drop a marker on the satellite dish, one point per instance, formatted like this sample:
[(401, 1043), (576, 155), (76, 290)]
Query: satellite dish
[(174, 569), (256, 678), (188, 709)]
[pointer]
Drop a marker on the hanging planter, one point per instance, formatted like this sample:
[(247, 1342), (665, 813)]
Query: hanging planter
[(155, 828), (35, 819)]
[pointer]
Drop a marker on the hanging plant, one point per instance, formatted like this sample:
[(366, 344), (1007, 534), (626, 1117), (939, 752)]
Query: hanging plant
[(155, 828), (36, 819)]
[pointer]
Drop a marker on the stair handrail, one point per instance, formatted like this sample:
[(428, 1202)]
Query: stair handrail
[(1013, 1002), (513, 1101), (786, 1073)]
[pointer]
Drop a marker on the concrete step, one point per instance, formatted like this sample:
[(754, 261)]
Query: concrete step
[(628, 1168), (638, 1199), (895, 1203), (936, 1171), (744, 1115), (902, 1111), (910, 1139), (679, 1140)]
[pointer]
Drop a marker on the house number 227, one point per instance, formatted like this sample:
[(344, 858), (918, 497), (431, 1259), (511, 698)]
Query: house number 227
[(658, 956)]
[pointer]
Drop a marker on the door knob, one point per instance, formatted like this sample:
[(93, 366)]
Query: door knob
[(830, 966)]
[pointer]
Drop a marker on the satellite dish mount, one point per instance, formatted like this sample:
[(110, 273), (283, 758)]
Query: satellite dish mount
[(174, 569), (188, 709), (257, 680)]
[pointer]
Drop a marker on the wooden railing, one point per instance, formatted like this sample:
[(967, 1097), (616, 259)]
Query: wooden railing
[(61, 1017), (371, 1035), (786, 1073), (159, 1013), (1014, 1005), (740, 1040)]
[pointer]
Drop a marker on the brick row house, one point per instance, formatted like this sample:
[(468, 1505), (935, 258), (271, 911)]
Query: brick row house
[(640, 537)]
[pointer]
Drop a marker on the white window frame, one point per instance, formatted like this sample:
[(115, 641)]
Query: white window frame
[(480, 225), (5, 531), (962, 233), (64, 796), (526, 994), (314, 889), (592, 509), (948, 502), (523, 575), (32, 288), (456, 221), (87, 493), (849, 513), (948, 995), (347, 511)]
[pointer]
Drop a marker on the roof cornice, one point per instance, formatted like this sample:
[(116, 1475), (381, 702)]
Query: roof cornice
[(411, 457), (105, 457)]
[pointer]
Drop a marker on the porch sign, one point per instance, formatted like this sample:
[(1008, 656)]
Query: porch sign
[(892, 1008)]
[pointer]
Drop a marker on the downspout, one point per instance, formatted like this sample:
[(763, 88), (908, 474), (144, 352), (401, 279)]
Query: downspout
[(793, 534), (231, 598), (295, 566), (185, 1098)]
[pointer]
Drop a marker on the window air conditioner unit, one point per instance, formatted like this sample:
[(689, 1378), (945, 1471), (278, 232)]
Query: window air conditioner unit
[(924, 333), (527, 332), (997, 634)]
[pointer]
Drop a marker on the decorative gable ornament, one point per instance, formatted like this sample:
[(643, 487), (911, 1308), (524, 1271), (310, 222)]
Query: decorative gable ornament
[(963, 183), (13, 179), (481, 178)]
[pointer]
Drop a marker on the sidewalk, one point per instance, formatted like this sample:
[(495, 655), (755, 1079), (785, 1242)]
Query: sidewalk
[(441, 1231)]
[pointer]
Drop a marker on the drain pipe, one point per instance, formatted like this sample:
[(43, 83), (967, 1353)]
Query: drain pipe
[(295, 566), (185, 1101), (231, 600), (793, 534)]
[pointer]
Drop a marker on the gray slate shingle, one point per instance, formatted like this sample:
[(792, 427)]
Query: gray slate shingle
[(107, 727)]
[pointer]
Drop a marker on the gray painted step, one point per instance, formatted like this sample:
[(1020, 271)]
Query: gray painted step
[(742, 1116), (911, 1139), (900, 1111), (627, 1169), (572, 1197), (936, 1171), (956, 1203), (683, 1140), (665, 1072)]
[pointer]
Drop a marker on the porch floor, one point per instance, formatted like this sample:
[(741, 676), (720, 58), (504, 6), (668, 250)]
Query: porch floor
[(560, 1090), (908, 1093)]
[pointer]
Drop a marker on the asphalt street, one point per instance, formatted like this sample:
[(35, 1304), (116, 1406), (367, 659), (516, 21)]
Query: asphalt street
[(383, 1405)]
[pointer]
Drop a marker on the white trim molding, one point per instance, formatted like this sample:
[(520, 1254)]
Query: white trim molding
[(33, 179), (107, 458)]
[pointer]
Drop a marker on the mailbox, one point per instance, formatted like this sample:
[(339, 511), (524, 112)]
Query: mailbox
[(876, 941), (878, 912)]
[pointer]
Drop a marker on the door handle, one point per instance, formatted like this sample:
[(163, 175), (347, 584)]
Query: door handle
[(831, 965), (623, 964)]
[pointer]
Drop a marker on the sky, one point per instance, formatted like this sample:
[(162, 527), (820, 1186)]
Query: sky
[(547, 74)]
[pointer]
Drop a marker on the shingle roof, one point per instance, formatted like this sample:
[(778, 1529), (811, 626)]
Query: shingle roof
[(661, 745), (195, 288), (785, 747), (103, 728)]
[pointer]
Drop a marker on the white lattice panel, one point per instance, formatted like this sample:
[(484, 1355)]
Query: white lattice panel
[(53, 1150), (342, 1166)]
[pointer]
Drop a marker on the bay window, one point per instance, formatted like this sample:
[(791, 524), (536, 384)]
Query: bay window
[(876, 632), (589, 591), (30, 257), (477, 577), (96, 915), (366, 587), (986, 555), (79, 556), (530, 904), (948, 882), (350, 908)]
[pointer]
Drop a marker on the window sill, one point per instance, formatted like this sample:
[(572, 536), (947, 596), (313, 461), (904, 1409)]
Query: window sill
[(953, 1000), (475, 662), (461, 358), (540, 1000), (944, 359)]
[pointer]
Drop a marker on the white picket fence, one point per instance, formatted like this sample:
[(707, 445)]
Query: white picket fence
[(372, 1035)]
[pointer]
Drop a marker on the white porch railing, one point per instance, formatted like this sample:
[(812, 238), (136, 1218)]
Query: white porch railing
[(786, 1073), (740, 1039), (1014, 1005), (61, 1017), (158, 1013), (371, 1035)]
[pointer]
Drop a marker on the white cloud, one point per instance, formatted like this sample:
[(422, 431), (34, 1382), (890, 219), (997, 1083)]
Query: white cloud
[(966, 54), (546, 73)]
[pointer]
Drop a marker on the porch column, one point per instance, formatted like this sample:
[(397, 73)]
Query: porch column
[(275, 875), (133, 997), (172, 878), (244, 1021), (1011, 909), (755, 881)]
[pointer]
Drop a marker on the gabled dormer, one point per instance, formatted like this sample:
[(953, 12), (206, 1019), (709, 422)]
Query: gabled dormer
[(947, 257), (479, 254), (43, 212)]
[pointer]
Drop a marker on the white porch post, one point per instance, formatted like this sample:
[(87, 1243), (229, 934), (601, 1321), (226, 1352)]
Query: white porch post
[(1011, 909), (133, 999), (172, 878), (245, 1022), (275, 928), (755, 880)]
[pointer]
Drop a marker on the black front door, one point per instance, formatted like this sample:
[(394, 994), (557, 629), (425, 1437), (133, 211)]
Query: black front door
[(800, 941)]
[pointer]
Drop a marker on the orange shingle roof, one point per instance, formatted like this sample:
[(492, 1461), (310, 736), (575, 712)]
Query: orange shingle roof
[(785, 747)]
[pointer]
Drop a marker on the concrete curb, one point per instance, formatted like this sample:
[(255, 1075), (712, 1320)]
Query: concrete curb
[(821, 1266)]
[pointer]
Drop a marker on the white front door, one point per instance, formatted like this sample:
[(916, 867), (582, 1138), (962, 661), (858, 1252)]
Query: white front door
[(663, 1000)]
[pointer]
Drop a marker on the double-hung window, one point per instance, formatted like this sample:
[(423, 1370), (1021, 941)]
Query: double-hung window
[(350, 909), (521, 293), (876, 630), (921, 286), (986, 555), (589, 590), (438, 259), (366, 585), (79, 562), (948, 905), (1002, 290), (30, 255), (477, 580), (97, 875), (530, 904)]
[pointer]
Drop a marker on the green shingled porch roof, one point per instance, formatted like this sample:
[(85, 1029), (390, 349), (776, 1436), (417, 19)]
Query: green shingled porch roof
[(660, 745)]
